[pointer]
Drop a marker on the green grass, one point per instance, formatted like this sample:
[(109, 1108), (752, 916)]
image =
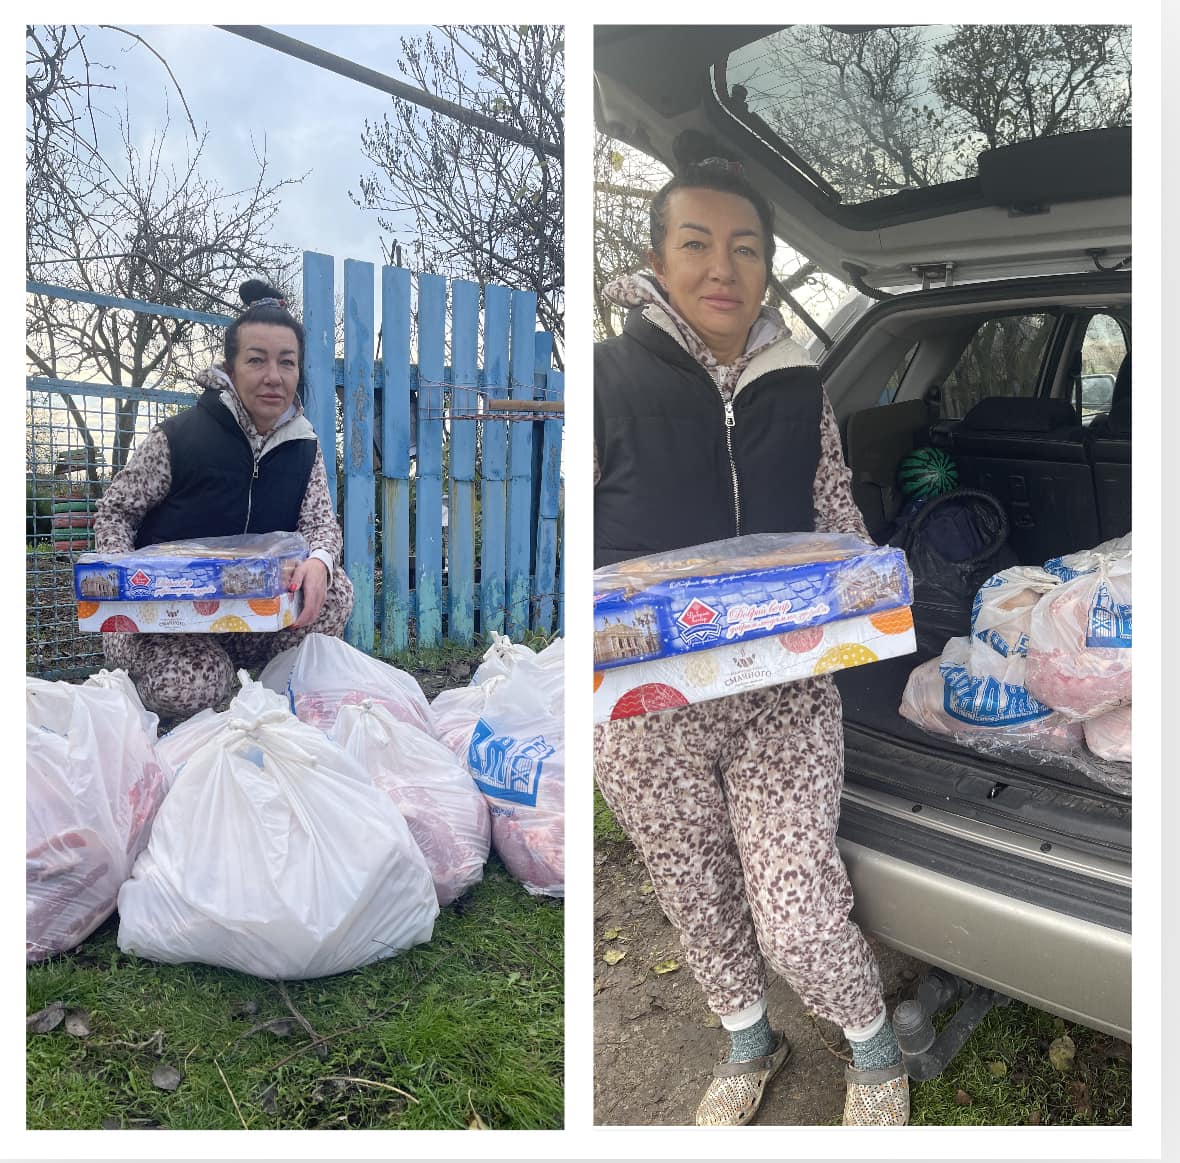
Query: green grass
[(470, 1025), (606, 827), (1004, 1077)]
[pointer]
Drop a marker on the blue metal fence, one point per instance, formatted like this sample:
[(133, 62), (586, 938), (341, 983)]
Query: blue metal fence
[(450, 498)]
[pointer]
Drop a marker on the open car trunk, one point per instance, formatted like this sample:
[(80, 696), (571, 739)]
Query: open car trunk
[(1050, 835)]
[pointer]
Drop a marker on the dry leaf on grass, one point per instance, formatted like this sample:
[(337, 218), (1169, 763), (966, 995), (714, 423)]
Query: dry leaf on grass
[(998, 1069), (45, 1020), (962, 1098), (1061, 1053), (166, 1077)]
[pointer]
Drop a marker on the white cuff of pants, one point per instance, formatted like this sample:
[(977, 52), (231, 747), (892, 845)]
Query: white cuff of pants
[(746, 1018), (324, 556), (864, 1033)]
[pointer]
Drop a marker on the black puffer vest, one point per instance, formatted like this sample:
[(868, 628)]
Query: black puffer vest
[(666, 475), (215, 492)]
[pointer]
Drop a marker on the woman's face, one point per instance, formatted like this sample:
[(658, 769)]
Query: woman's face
[(713, 268), (265, 372)]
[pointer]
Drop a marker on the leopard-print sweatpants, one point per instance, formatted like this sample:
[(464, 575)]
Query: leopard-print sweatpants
[(178, 675), (733, 805)]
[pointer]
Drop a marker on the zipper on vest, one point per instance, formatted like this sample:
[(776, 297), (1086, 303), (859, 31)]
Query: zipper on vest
[(737, 500), (250, 492)]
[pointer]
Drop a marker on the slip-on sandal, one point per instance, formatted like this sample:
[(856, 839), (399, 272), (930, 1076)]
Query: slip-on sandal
[(736, 1091), (877, 1098)]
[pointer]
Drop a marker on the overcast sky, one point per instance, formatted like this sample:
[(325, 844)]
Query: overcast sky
[(306, 118)]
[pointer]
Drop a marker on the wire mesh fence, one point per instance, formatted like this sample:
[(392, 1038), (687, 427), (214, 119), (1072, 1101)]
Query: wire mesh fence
[(74, 444)]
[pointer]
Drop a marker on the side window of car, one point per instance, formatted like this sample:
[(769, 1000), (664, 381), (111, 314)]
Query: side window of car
[(894, 381), (1003, 359), (1103, 350)]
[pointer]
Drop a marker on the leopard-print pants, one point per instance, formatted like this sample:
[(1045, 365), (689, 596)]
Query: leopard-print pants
[(178, 675), (733, 805)]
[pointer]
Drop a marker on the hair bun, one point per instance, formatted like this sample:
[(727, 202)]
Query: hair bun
[(254, 289), (691, 147)]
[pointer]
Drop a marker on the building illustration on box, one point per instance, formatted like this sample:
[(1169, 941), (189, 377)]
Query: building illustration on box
[(100, 585), (859, 589), (243, 579), (619, 640)]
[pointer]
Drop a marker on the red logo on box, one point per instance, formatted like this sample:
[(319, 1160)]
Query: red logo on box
[(139, 578), (697, 613)]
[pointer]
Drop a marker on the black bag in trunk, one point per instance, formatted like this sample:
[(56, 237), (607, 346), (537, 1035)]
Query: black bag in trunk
[(953, 544)]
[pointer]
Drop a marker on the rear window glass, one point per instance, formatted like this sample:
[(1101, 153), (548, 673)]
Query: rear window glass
[(873, 112), (1003, 359)]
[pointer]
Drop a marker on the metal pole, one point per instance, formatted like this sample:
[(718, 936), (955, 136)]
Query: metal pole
[(346, 68)]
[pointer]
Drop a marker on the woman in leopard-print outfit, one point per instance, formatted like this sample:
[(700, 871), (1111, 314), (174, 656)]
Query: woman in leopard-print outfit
[(706, 418), (176, 486)]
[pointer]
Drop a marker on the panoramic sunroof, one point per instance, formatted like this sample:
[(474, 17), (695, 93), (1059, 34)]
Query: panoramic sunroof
[(873, 112)]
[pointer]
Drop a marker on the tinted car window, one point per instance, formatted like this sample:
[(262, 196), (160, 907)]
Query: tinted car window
[(1003, 359), (1103, 351)]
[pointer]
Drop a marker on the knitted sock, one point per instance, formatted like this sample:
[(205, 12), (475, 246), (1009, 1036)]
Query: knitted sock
[(752, 1042), (877, 1051)]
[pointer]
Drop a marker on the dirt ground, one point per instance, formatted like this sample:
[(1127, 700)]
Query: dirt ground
[(655, 1042)]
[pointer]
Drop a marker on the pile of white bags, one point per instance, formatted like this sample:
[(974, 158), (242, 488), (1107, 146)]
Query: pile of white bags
[(1047, 669), (429, 786), (516, 755), (94, 784), (274, 854)]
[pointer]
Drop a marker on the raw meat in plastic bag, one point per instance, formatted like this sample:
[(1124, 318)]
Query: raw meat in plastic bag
[(429, 785), (324, 673), (517, 758), (93, 786), (274, 854), (1109, 735), (978, 701), (1079, 651)]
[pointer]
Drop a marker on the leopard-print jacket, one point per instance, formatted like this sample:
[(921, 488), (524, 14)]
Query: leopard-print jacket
[(147, 478)]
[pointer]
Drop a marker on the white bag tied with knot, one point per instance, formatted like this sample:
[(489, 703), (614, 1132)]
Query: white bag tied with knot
[(274, 854)]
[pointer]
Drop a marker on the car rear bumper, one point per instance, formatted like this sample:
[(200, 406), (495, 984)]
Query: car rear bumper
[(1064, 964)]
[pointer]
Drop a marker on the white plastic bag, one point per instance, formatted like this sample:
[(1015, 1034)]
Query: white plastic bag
[(1079, 650), (456, 711), (274, 854), (93, 786), (1002, 612), (517, 758), (324, 673), (1109, 735), (429, 785), (977, 697)]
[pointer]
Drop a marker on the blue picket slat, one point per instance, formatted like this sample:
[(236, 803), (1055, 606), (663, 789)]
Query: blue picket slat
[(464, 401), (395, 460), (319, 356), (542, 364), (520, 466), (432, 321), (494, 463), (359, 542), (548, 511)]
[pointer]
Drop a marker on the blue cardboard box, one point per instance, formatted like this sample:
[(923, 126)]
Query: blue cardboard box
[(745, 587)]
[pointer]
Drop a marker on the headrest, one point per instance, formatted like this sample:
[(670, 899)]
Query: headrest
[(1122, 385), (1020, 414)]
